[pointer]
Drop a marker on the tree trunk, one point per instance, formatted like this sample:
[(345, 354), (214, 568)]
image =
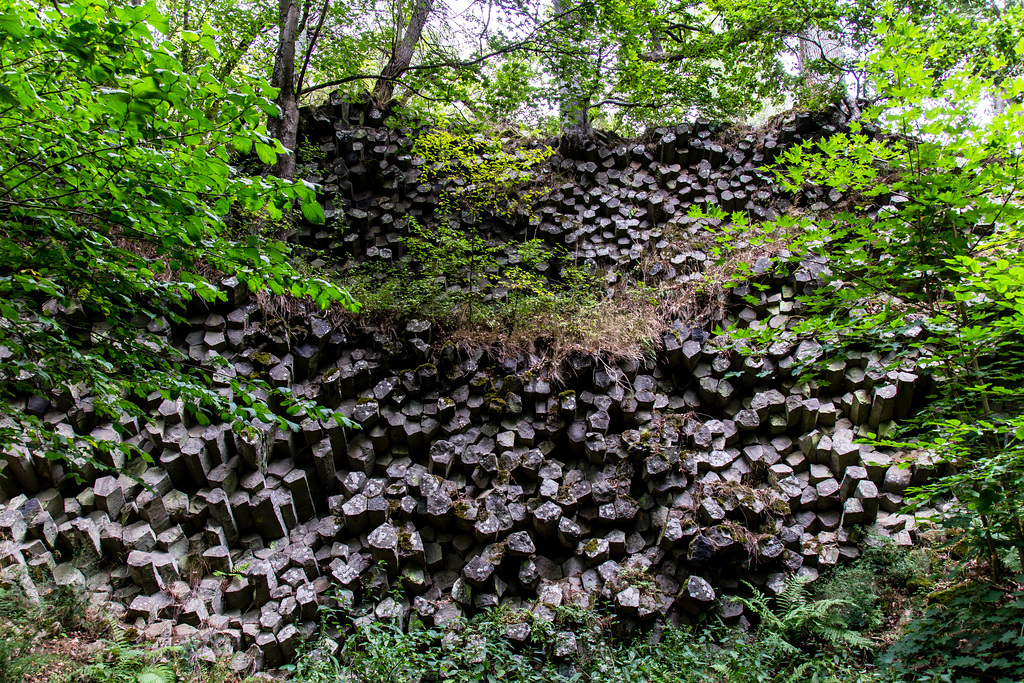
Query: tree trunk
[(573, 101), (286, 127), (402, 55), (574, 110), (816, 44), (184, 45)]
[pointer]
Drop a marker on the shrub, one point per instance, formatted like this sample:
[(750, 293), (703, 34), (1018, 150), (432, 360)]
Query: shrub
[(480, 651), (883, 570), (970, 633)]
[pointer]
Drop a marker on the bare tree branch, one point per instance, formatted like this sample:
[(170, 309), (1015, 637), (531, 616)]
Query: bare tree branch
[(526, 45), (310, 47)]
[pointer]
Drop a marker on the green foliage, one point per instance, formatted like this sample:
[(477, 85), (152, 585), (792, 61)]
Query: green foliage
[(972, 632), (116, 190), (901, 568), (130, 667), (380, 651), (882, 571), (462, 278), (25, 618), (636, 64), (630, 64), (718, 655), (923, 254), (480, 174), (16, 636), (638, 578), (799, 617), (457, 274), (478, 650), (122, 662), (484, 294), (858, 587)]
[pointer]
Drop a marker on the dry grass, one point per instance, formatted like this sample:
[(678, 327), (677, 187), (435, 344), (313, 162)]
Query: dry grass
[(627, 326), (624, 327)]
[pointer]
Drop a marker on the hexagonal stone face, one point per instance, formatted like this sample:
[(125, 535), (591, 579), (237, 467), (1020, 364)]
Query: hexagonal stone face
[(545, 518), (383, 543), (628, 599), (517, 633), (477, 571), (67, 575), (699, 590), (565, 644), (520, 544), (462, 451), (595, 550)]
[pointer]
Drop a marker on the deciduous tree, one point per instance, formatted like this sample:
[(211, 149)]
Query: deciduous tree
[(118, 201)]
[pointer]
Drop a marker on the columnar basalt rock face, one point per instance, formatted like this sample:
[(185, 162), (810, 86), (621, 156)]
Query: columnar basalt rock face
[(475, 482)]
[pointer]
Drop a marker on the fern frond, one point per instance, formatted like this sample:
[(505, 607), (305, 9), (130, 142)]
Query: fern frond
[(161, 673), (794, 594), (797, 676)]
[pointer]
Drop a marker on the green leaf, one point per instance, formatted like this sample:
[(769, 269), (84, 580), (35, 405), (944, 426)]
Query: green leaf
[(313, 212), (266, 153), (12, 25)]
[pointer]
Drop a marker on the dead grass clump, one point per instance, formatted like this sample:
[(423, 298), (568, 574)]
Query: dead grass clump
[(624, 327), (295, 310)]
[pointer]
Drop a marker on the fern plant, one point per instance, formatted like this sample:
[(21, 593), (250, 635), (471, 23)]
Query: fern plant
[(16, 635), (798, 617), (124, 663)]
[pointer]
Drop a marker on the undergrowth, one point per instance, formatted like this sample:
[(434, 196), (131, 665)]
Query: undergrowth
[(16, 638), (871, 621), (894, 615), (50, 635)]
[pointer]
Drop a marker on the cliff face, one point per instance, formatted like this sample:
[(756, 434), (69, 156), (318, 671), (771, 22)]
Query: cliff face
[(475, 481)]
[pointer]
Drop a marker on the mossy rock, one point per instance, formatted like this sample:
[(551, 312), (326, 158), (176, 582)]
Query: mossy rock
[(511, 383), (404, 541), (944, 596), (480, 382), (921, 583)]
